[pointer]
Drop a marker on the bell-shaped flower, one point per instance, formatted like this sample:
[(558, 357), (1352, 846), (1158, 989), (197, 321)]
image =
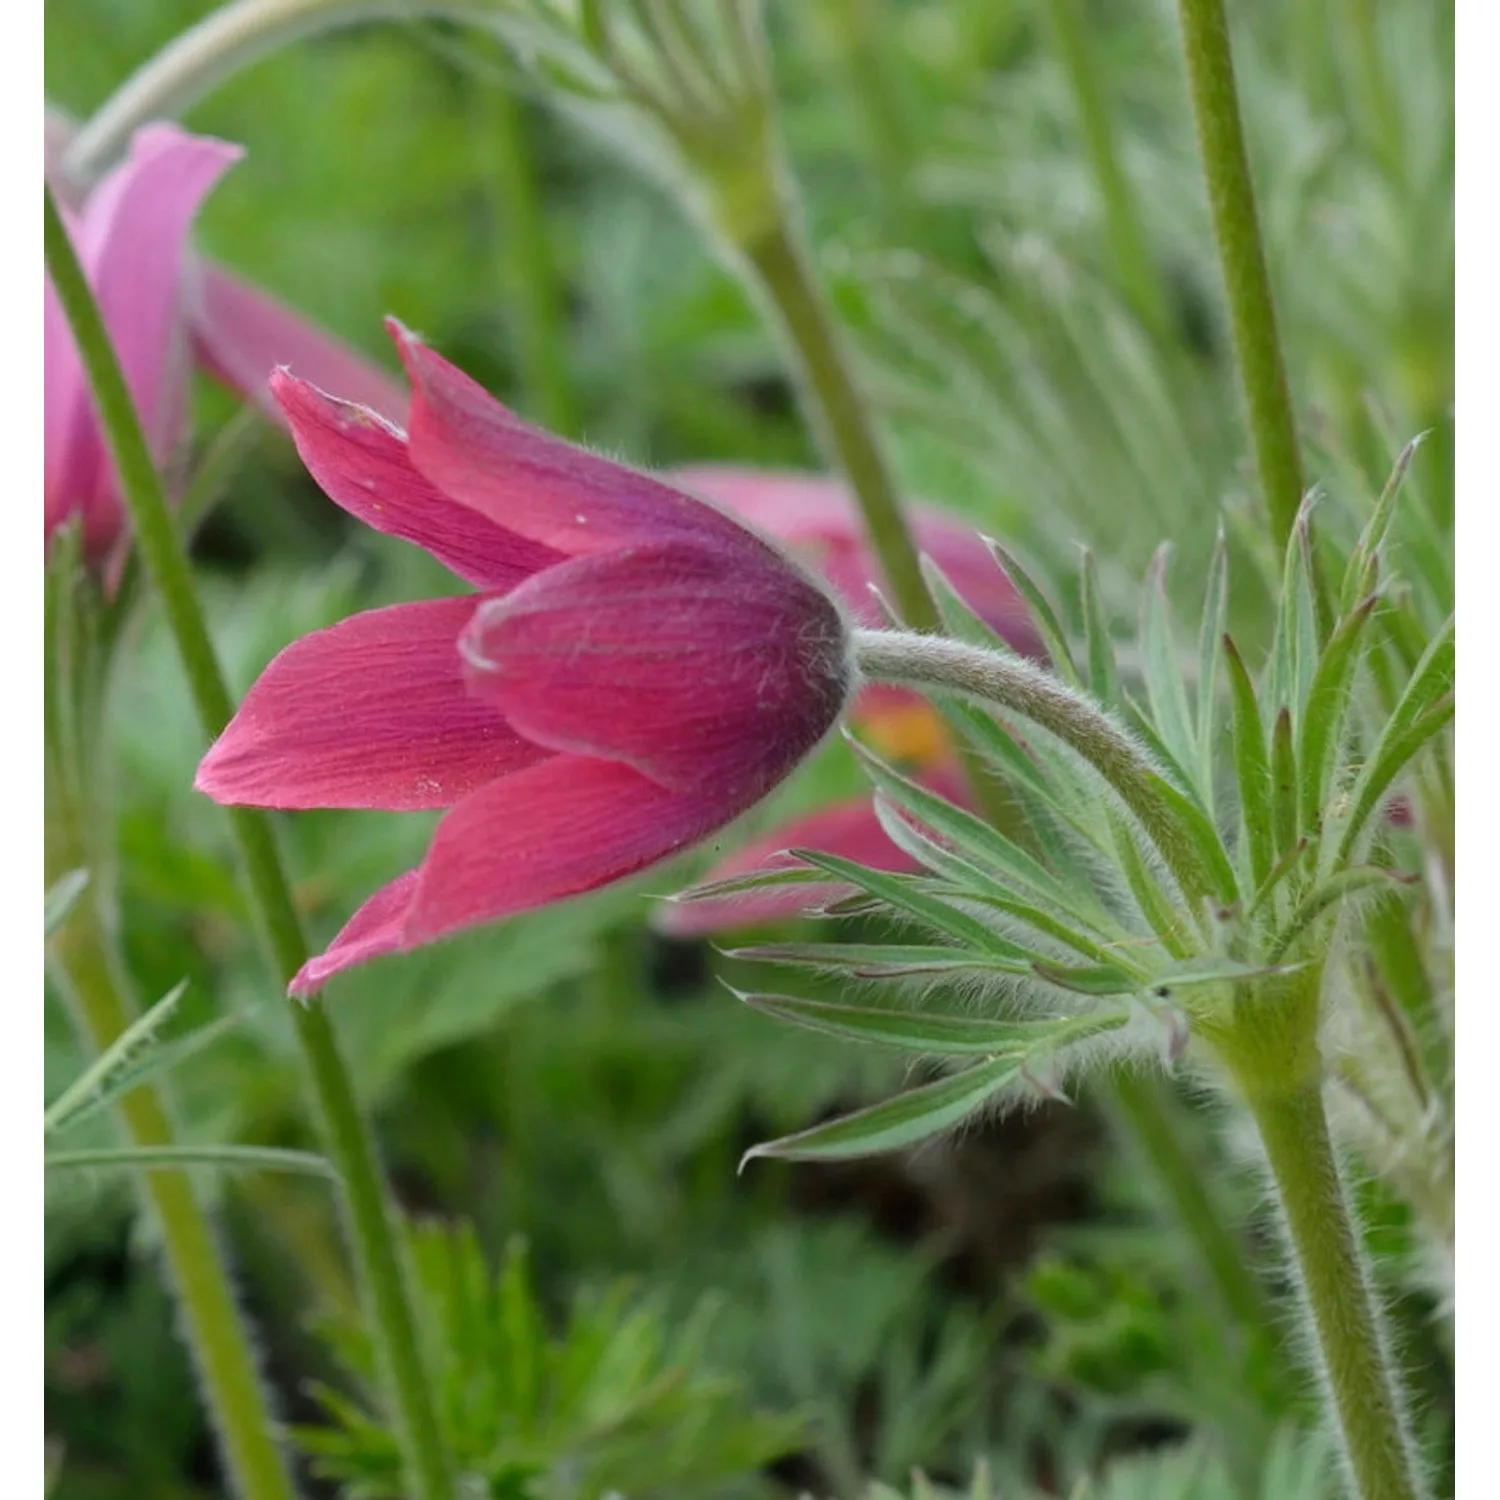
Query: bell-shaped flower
[(817, 519), (637, 669)]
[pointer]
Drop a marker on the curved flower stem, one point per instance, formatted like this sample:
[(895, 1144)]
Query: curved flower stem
[(368, 1212), (1335, 1284), (86, 963), (837, 407), (222, 43), (1226, 167), (934, 663), (1127, 239)]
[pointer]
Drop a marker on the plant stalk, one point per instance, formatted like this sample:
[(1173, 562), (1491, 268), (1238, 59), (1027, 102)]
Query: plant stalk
[(369, 1215), (838, 409), (1252, 313), (90, 975), (1352, 1353)]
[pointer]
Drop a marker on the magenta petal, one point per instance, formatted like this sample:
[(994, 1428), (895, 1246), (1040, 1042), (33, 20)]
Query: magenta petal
[(528, 481), (696, 668), (372, 712), (557, 829), (134, 241), (243, 334), (850, 829), (377, 927), (361, 464)]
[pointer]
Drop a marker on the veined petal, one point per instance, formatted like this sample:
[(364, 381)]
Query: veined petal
[(476, 451), (850, 829), (133, 242), (685, 662), (242, 334), (372, 712), (557, 829), (361, 463), (377, 927)]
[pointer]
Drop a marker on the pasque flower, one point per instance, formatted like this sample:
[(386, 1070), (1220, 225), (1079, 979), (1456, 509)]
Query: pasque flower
[(817, 518), (163, 307), (637, 669)]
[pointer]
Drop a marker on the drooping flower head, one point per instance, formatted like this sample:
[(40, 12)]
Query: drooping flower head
[(637, 670), (131, 238), (817, 519)]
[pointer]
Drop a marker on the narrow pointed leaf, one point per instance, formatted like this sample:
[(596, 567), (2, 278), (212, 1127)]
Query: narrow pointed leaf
[(1165, 689), (1325, 897), (897, 1123), (752, 880), (1215, 612), (905, 896), (1327, 706), (1172, 926), (1088, 979), (1391, 753), (923, 1031), (1357, 575), (958, 619), (1042, 613), (872, 960), (121, 1054), (1283, 783), (177, 1158), (1252, 768), (1104, 677)]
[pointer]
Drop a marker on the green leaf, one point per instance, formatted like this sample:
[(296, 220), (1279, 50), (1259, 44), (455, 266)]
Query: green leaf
[(1283, 783), (1295, 653), (923, 1031), (1327, 705), (61, 897), (1324, 897), (106, 1068), (1252, 769), (1359, 575), (897, 1123), (984, 845), (1171, 926), (1042, 613), (1162, 671), (751, 880), (1390, 755), (1088, 979), (906, 896), (1215, 613), (958, 619), (1104, 677), (178, 1158), (873, 960)]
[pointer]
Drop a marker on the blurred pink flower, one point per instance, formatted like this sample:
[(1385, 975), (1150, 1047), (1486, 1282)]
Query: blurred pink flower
[(818, 520), (162, 306), (637, 670)]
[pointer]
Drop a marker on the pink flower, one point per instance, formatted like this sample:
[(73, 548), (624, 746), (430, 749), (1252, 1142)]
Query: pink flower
[(817, 519), (131, 237), (636, 671), (162, 306)]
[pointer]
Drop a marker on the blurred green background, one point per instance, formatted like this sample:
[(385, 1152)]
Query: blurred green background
[(568, 1078)]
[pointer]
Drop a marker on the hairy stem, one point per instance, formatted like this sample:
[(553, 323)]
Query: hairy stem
[(89, 973), (930, 663), (1352, 1354), (197, 60), (1226, 168), (369, 1215), (838, 409)]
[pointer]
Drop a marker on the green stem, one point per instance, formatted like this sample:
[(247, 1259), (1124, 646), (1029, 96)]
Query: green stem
[(90, 975), (221, 44), (1226, 167), (838, 409), (368, 1212), (1127, 240), (532, 288), (1351, 1349)]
